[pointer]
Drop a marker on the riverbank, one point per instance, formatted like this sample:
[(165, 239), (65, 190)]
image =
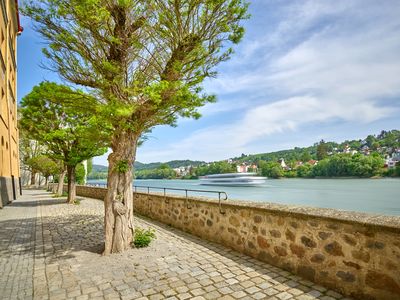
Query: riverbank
[(363, 195)]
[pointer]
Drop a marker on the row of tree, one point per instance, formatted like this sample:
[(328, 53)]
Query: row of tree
[(339, 165), (37, 159), (67, 136), (162, 172), (215, 168)]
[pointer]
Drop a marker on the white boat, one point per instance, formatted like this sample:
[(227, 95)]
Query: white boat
[(233, 179)]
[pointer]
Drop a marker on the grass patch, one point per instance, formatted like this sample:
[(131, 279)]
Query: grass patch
[(142, 237), (77, 201)]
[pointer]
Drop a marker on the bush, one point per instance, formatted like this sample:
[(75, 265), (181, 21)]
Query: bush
[(142, 237)]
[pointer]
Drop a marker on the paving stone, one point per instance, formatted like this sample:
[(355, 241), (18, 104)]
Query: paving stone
[(238, 294), (197, 292), (184, 296), (209, 288), (156, 297), (271, 291), (314, 293), (305, 297), (333, 294), (225, 290), (63, 261), (284, 296), (259, 295), (252, 290), (295, 292)]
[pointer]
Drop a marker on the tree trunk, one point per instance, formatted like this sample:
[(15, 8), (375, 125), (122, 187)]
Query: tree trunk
[(118, 202), (33, 177), (60, 187), (71, 184)]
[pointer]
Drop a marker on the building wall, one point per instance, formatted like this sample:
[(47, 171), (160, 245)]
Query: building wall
[(354, 253), (9, 154)]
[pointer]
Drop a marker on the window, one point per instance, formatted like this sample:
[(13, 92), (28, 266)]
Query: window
[(2, 50)]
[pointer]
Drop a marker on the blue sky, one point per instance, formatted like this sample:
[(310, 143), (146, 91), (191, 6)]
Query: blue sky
[(305, 71)]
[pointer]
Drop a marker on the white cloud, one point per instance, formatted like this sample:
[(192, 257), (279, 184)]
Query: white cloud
[(220, 142), (323, 62), (341, 71)]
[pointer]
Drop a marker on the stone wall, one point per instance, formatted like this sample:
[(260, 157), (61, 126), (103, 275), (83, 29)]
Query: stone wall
[(356, 254)]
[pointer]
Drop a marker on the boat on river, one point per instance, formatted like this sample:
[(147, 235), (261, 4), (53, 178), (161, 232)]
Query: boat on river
[(233, 179)]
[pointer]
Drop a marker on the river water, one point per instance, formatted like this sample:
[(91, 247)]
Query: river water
[(381, 196)]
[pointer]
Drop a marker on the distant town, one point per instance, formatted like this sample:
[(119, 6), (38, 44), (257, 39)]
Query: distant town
[(376, 155)]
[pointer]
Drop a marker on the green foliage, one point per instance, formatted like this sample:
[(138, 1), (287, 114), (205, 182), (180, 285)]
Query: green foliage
[(80, 174), (144, 60), (322, 150), (89, 165), (44, 165), (77, 202), (304, 171), (288, 155), (271, 169), (393, 172), (215, 168), (305, 156), (68, 134), (122, 166), (61, 119), (341, 165), (163, 172), (98, 175), (142, 238)]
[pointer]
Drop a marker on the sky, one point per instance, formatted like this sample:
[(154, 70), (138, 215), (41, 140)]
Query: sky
[(305, 71)]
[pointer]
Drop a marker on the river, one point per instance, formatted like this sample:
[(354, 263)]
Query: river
[(381, 196)]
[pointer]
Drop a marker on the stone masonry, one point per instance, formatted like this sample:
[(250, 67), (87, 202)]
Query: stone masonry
[(353, 253), (51, 250)]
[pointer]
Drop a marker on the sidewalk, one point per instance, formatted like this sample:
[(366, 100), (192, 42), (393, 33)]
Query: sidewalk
[(51, 250)]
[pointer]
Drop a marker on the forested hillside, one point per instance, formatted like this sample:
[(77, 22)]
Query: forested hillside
[(359, 158), (384, 143)]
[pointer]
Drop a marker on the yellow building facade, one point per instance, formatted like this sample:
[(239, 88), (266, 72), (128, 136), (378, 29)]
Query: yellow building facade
[(9, 154)]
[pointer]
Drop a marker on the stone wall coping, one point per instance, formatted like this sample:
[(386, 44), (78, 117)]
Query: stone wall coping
[(374, 221), (391, 223)]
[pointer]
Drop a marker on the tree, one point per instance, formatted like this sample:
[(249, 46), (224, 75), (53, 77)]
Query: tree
[(305, 156), (45, 165), (322, 150), (80, 174), (146, 62), (370, 140), (69, 136), (29, 149), (271, 169), (219, 167)]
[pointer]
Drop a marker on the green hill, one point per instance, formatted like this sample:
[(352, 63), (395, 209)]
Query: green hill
[(142, 166), (385, 142)]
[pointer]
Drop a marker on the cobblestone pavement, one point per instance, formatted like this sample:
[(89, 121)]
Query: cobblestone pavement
[(51, 250)]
